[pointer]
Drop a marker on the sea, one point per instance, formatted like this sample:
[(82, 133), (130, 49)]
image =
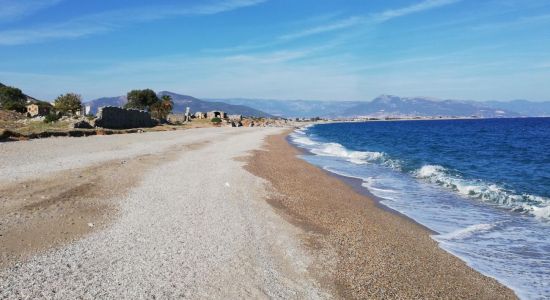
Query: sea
[(481, 185)]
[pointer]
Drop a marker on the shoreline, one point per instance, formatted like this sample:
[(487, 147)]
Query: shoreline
[(355, 184), (361, 248)]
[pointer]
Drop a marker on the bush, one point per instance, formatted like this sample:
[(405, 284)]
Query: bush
[(15, 106), (51, 117), (69, 103), (216, 120)]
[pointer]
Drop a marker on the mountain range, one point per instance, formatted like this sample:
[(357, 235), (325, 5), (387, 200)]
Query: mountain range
[(388, 105), (382, 106), (181, 102)]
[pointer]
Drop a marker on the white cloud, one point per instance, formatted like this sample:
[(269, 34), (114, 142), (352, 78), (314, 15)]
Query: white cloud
[(338, 25), (374, 18), (415, 8), (107, 21), (15, 9)]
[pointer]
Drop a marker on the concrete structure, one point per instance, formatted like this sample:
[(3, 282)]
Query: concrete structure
[(200, 115), (119, 118), (236, 118), (216, 114), (177, 118), (37, 109)]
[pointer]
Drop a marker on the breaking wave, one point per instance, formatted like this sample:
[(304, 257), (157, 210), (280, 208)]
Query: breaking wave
[(337, 150), (464, 233), (536, 206), (486, 192)]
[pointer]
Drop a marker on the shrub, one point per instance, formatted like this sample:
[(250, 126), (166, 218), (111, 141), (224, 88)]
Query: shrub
[(51, 117), (69, 103), (216, 120)]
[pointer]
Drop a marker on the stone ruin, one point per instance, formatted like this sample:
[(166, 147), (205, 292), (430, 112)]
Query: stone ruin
[(120, 118), (180, 118), (216, 114), (200, 115)]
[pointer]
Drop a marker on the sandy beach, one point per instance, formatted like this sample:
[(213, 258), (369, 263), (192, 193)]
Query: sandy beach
[(360, 249), (206, 213)]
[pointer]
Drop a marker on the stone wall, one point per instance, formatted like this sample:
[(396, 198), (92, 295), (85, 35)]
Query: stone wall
[(119, 118), (177, 118)]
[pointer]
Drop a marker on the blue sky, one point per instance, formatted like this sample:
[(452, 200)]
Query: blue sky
[(279, 49)]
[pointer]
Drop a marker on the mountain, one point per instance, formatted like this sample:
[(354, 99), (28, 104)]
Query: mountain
[(29, 98), (388, 105), (381, 106), (524, 107), (181, 102), (294, 108), (105, 101)]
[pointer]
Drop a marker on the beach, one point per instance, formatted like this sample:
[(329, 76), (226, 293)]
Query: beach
[(363, 250), (206, 213), (191, 222)]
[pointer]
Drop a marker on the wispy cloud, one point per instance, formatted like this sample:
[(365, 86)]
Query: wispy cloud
[(110, 20), (523, 21), (372, 19), (415, 8), (338, 25), (15, 9)]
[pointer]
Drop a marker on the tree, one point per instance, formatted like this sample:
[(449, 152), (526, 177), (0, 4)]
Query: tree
[(69, 103), (12, 99), (162, 108), (141, 99)]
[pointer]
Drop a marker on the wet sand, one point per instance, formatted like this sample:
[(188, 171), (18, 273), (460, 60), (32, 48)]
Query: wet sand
[(360, 249)]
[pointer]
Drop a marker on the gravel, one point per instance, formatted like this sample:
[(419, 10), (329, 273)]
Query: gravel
[(197, 227)]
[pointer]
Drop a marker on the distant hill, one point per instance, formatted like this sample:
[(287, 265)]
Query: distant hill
[(387, 105), (181, 102), (523, 107), (294, 108), (381, 106), (105, 101), (29, 98)]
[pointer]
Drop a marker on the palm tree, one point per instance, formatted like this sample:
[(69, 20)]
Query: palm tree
[(167, 105), (161, 109)]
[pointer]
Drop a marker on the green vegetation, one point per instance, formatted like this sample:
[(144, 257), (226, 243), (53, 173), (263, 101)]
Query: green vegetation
[(68, 104), (216, 120), (12, 99), (141, 99), (148, 100), (51, 117), (161, 109)]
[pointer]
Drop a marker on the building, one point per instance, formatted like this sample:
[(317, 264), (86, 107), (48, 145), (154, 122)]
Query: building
[(237, 118), (38, 109), (200, 115), (216, 114)]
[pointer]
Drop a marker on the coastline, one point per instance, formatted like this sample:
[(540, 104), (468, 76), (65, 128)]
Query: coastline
[(361, 249)]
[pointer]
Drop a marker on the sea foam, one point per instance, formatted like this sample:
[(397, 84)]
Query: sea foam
[(486, 192)]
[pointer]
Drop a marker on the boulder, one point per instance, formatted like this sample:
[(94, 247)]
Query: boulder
[(82, 125)]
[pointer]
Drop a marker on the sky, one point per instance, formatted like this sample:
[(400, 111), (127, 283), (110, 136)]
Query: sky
[(278, 49)]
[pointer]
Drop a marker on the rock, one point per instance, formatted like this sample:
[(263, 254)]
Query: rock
[(82, 125)]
